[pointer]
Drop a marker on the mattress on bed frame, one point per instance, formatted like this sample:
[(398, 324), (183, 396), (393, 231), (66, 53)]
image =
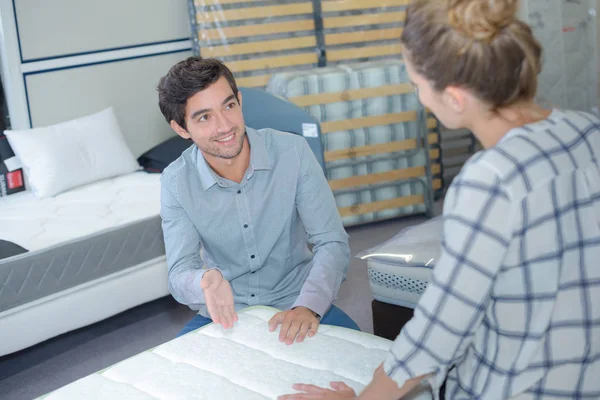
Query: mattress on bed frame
[(247, 362), (84, 237), (399, 284), (400, 268), (34, 275)]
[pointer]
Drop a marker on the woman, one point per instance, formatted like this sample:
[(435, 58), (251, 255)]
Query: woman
[(513, 307)]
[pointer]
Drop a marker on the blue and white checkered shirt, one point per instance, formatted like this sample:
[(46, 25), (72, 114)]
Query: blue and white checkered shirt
[(513, 307)]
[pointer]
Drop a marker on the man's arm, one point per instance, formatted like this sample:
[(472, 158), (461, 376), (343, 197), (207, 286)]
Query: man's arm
[(321, 219), (182, 245), (317, 209), (476, 235)]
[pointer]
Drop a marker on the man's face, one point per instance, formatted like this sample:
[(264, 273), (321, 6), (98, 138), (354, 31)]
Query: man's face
[(214, 121)]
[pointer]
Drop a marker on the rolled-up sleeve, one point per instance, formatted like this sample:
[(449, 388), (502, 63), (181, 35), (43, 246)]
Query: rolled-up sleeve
[(476, 235), (182, 246), (320, 217)]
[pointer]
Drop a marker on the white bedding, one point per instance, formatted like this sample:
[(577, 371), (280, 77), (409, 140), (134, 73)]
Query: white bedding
[(247, 362), (39, 224)]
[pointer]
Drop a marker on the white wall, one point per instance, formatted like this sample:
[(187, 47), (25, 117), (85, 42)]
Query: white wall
[(63, 59), (568, 31)]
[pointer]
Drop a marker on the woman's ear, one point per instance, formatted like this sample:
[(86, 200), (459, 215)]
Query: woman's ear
[(455, 98)]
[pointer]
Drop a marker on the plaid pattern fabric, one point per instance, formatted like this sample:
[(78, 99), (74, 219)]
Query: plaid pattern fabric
[(513, 307), (357, 76)]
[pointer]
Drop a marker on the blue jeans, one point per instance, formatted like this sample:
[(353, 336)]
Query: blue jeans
[(334, 316)]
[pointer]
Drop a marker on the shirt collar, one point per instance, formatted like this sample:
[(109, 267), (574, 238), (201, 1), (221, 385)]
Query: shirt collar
[(259, 159), (207, 175)]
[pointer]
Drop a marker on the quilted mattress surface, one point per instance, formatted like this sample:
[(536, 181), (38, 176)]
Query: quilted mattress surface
[(247, 362), (39, 224)]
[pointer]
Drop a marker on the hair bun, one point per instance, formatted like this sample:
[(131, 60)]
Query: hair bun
[(482, 20)]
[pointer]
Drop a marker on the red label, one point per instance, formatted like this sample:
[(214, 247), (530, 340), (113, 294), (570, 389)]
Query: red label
[(14, 179)]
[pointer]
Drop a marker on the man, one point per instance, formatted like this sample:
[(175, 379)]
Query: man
[(239, 209)]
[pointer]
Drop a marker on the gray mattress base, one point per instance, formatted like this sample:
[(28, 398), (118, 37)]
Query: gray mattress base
[(31, 276)]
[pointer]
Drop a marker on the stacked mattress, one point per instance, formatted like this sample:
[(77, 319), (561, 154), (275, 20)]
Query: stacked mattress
[(101, 239), (400, 268), (247, 362), (374, 128)]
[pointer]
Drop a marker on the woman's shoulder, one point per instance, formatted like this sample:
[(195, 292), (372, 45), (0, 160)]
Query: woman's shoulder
[(534, 154)]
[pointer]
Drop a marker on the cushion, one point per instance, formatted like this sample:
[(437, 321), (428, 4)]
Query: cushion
[(159, 157), (62, 156), (9, 249)]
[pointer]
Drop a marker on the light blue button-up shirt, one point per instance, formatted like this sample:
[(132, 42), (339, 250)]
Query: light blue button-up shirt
[(255, 232)]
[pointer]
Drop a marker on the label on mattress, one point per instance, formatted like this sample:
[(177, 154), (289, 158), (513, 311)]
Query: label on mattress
[(310, 130)]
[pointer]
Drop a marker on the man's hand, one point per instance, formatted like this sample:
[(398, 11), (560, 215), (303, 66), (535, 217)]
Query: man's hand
[(295, 324), (219, 298), (311, 392)]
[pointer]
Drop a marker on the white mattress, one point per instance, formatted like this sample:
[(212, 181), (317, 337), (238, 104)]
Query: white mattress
[(400, 268), (247, 362), (90, 209), (96, 241)]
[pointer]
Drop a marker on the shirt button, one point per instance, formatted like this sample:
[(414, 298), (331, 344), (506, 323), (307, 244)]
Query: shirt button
[(245, 225), (239, 192), (252, 295), (253, 272), (252, 256)]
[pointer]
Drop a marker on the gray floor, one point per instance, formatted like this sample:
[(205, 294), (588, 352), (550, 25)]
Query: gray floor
[(59, 361)]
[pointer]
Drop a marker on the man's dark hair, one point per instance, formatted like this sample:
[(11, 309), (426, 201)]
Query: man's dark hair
[(184, 80)]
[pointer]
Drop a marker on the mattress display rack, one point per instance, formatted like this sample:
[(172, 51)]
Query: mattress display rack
[(381, 147), (380, 165), (256, 38)]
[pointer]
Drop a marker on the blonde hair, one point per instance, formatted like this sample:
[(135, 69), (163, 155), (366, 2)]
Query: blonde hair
[(475, 44)]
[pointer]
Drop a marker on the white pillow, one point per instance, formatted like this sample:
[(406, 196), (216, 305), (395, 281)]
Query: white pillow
[(60, 157)]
